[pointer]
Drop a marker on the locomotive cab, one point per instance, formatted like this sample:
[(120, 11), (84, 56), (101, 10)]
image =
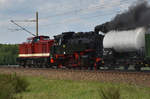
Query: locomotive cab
[(37, 39)]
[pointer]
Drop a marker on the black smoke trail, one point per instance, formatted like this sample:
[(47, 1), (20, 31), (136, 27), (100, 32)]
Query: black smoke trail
[(138, 15)]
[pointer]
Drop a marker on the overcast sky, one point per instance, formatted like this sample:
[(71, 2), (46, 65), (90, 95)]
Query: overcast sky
[(55, 16)]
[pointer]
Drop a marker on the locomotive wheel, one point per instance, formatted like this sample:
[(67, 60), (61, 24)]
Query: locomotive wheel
[(97, 67), (80, 67), (57, 66), (86, 68), (91, 67), (47, 66), (23, 64), (111, 68), (137, 68), (126, 67)]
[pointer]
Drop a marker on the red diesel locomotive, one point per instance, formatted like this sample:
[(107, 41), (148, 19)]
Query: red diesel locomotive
[(35, 52)]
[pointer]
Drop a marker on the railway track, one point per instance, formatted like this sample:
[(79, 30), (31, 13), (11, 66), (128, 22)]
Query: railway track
[(117, 76), (146, 72)]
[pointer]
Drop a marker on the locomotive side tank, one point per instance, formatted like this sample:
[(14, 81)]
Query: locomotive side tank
[(125, 41)]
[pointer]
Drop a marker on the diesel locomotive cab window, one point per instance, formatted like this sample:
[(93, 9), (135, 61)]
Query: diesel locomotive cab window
[(29, 40), (36, 39), (46, 38)]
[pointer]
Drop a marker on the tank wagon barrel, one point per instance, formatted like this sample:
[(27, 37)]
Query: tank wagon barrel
[(125, 41)]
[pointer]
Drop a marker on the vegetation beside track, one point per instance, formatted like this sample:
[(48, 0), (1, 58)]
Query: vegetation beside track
[(8, 54), (45, 88), (11, 84)]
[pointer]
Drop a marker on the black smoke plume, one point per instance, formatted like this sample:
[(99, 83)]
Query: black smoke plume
[(138, 15)]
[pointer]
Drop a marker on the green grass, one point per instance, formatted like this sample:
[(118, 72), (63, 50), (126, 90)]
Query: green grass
[(43, 88), (11, 84), (107, 93)]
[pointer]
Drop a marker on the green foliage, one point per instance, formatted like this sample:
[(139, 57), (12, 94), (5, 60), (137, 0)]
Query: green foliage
[(11, 84), (110, 93), (8, 54)]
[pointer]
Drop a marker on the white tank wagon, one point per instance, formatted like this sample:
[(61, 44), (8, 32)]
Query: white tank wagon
[(125, 41)]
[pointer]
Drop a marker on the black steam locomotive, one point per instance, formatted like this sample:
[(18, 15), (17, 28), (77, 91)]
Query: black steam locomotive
[(77, 50)]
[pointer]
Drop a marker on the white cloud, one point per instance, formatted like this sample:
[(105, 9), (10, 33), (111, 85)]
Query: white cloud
[(4, 3)]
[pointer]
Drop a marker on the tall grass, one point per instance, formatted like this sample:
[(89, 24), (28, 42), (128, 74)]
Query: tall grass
[(11, 84), (110, 93)]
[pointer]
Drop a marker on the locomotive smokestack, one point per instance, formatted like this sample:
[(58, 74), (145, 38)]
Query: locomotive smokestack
[(138, 15), (103, 28)]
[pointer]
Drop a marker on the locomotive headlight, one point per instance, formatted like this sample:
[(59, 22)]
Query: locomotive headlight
[(146, 65), (64, 46), (103, 62)]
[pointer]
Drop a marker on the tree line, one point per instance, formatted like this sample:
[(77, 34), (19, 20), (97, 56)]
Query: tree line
[(8, 54)]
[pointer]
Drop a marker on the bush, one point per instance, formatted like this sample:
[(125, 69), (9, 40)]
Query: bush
[(110, 93), (11, 84)]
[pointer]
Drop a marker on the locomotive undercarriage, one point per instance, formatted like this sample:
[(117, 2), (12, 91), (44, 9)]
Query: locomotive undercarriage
[(84, 63), (114, 60), (78, 60), (124, 64), (34, 62)]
